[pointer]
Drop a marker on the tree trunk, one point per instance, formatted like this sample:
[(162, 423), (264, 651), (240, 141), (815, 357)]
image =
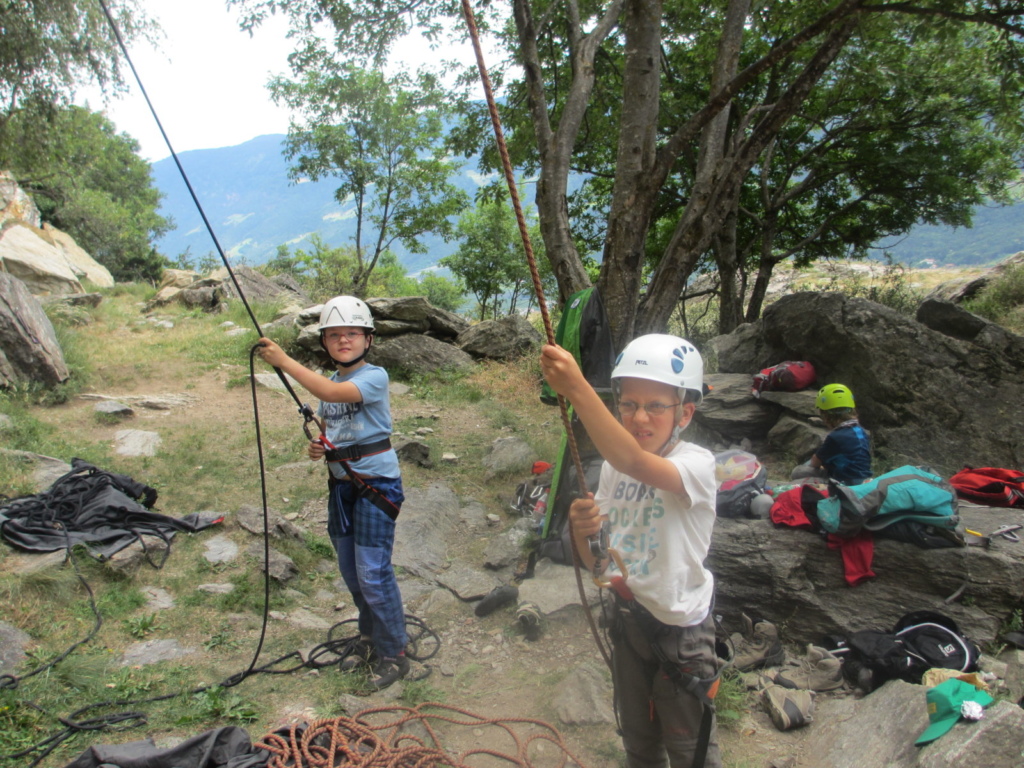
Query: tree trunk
[(730, 291), (632, 198)]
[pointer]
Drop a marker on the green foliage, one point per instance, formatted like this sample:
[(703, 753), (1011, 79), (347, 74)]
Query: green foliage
[(442, 292), (52, 47), (89, 181), (490, 259), (1002, 300), (142, 626), (731, 700), (217, 704), (319, 545), (382, 139), (891, 290), (415, 692)]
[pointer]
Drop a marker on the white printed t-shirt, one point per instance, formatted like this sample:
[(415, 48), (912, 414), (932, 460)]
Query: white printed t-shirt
[(662, 538)]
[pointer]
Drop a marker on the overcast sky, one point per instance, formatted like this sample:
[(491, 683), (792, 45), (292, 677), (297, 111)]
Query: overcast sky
[(208, 79)]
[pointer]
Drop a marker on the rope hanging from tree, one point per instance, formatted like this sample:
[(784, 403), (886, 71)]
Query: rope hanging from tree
[(510, 180)]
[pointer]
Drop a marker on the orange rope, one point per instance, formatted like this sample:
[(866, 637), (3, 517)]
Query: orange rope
[(407, 738), (510, 180)]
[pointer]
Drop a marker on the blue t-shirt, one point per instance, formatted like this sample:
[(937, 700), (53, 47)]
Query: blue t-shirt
[(361, 423), (846, 453)]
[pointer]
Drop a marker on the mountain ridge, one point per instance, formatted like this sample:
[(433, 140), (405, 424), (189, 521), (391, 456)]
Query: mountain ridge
[(253, 208)]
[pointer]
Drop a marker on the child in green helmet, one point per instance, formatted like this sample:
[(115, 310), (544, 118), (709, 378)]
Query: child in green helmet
[(845, 453)]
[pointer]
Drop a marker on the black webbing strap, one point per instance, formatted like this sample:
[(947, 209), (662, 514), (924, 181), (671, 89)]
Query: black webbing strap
[(357, 451), (367, 491)]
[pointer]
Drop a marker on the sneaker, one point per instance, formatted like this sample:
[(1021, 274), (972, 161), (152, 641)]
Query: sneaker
[(788, 708), (757, 646), (388, 671), (819, 670), (361, 653), (528, 616)]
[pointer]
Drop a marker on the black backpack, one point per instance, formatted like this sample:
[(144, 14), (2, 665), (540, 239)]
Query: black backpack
[(919, 641)]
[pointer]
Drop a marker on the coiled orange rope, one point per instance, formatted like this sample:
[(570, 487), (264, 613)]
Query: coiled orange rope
[(402, 737)]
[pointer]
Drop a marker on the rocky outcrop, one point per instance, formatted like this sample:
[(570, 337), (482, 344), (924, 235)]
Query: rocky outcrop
[(29, 351), (506, 338), (211, 293), (943, 398)]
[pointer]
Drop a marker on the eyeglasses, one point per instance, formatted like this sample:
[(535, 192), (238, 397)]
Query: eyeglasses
[(628, 408), (350, 335)]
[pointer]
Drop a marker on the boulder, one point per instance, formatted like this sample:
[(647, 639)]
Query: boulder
[(392, 315), (258, 288), (28, 254), (176, 278), (28, 345), (504, 339), (927, 398), (15, 203), (417, 354), (82, 263), (792, 578)]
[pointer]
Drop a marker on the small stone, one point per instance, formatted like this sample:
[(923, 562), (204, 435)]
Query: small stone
[(449, 458), (278, 615), (493, 519)]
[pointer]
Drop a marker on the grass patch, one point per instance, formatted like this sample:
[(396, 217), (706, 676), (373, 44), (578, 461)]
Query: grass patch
[(1002, 300)]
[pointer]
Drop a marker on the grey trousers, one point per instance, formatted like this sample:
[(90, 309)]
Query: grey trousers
[(661, 722)]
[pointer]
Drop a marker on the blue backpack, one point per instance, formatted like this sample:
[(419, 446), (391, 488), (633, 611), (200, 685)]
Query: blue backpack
[(904, 494)]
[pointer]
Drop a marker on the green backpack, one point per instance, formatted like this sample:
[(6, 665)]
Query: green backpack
[(584, 331)]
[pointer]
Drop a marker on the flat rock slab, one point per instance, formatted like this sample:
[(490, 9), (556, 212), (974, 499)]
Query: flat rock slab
[(154, 651), (136, 442), (114, 408), (12, 647), (220, 549), (158, 599), (45, 469), (273, 382), (468, 583), (306, 619), (553, 588)]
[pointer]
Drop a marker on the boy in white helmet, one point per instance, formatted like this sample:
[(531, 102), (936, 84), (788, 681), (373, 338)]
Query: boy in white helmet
[(656, 498), (364, 481)]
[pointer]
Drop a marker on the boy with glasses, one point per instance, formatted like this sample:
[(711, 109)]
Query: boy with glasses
[(656, 499), (364, 480)]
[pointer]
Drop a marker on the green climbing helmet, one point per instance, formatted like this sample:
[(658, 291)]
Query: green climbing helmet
[(833, 396)]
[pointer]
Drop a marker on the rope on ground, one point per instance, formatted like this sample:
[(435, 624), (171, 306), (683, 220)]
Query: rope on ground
[(510, 180), (404, 737)]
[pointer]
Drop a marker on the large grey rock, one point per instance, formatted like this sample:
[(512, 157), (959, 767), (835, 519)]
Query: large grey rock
[(154, 651), (45, 469), (427, 523), (256, 287), (880, 730), (927, 398), (585, 696), (15, 203), (792, 578), (29, 255), (280, 567), (28, 344), (81, 263), (417, 354), (509, 455), (391, 315), (504, 339), (730, 411), (250, 517)]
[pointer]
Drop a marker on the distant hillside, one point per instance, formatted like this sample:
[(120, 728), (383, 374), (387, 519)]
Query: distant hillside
[(253, 208)]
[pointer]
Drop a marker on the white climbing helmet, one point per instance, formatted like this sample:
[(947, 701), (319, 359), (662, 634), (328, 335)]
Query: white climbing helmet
[(660, 357), (345, 310)]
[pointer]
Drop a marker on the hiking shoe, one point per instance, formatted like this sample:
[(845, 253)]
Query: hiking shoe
[(757, 646), (496, 598), (529, 618), (818, 671), (788, 708), (388, 671), (361, 653)]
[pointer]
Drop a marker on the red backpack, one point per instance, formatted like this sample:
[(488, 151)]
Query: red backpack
[(790, 376), (991, 486)]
